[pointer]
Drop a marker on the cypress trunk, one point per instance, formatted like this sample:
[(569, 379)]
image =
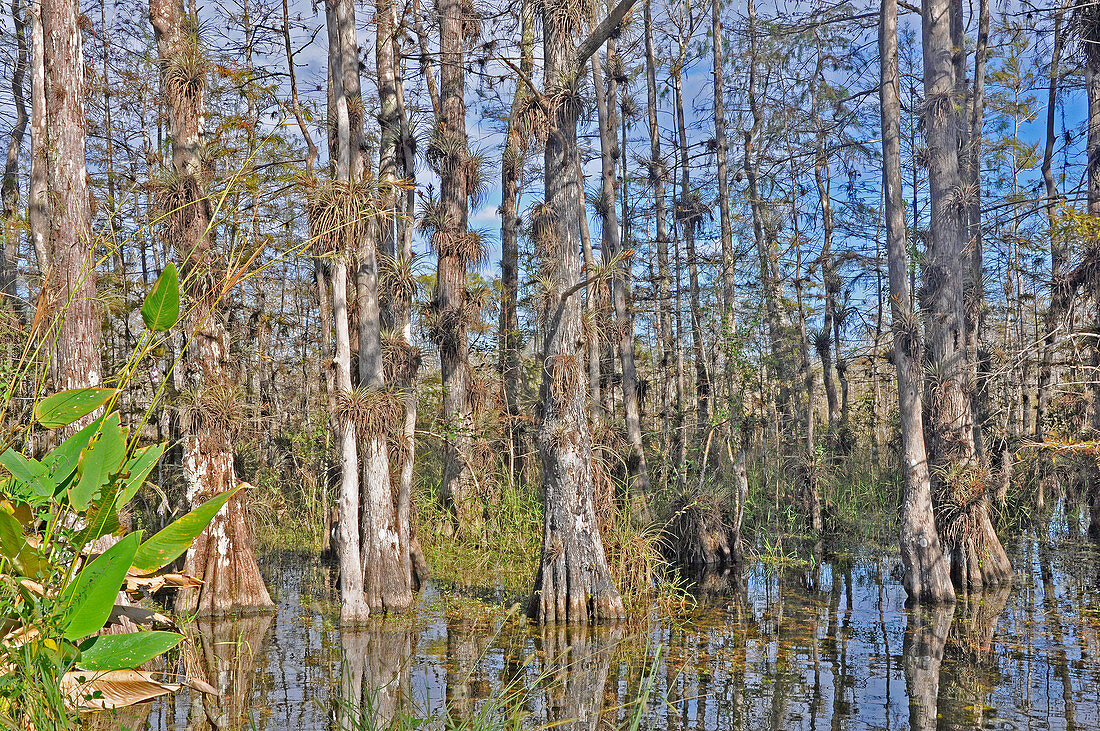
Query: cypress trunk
[(222, 555), (927, 575), (973, 549)]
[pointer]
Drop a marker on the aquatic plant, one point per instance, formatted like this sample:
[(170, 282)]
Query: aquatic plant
[(72, 636)]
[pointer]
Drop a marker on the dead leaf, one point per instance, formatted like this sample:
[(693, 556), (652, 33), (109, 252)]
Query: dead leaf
[(86, 691)]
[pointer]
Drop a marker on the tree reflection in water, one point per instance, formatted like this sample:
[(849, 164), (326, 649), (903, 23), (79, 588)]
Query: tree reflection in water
[(926, 632), (577, 662), (374, 674), (226, 653)]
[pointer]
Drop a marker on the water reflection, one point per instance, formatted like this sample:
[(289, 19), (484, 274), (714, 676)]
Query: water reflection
[(828, 645), (925, 639), (575, 677), (226, 655), (374, 674)]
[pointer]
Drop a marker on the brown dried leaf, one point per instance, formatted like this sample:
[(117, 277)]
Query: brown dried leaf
[(86, 691)]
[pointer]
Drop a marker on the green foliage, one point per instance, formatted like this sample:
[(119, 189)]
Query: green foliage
[(117, 652), (170, 543), (64, 408), (59, 581), (162, 306)]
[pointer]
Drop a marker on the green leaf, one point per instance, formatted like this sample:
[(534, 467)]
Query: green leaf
[(169, 544), (101, 459), (162, 304), (24, 469), (138, 467), (88, 600), (122, 652), (31, 562), (64, 458), (11, 535), (64, 408), (102, 518), (29, 472)]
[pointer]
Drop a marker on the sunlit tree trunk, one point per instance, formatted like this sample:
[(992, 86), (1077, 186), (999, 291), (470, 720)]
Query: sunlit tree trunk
[(926, 569), (71, 277), (9, 188), (973, 549), (403, 363), (509, 337), (573, 583), (222, 556), (727, 272), (456, 248), (657, 173)]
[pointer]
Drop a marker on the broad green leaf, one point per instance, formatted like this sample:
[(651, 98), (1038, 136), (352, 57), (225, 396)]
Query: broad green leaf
[(22, 468), (32, 477), (64, 408), (162, 304), (170, 543), (31, 562), (122, 652), (102, 518), (88, 600), (64, 458), (138, 467), (11, 535), (101, 459)]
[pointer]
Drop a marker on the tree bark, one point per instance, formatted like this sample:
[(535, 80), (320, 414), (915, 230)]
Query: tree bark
[(71, 278), (657, 176), (509, 337), (927, 577), (573, 583), (222, 555), (9, 188), (452, 245), (973, 549), (1055, 315), (725, 222)]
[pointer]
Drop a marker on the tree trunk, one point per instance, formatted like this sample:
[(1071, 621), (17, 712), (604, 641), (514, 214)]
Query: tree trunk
[(573, 583), (384, 541), (453, 248), (222, 555), (509, 337), (725, 222), (1090, 21), (927, 577), (9, 188), (404, 362), (1055, 317), (831, 281), (638, 487), (38, 207), (657, 180), (973, 549), (766, 246), (71, 282), (689, 214)]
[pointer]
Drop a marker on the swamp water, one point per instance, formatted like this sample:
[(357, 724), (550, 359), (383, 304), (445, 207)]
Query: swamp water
[(830, 646)]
